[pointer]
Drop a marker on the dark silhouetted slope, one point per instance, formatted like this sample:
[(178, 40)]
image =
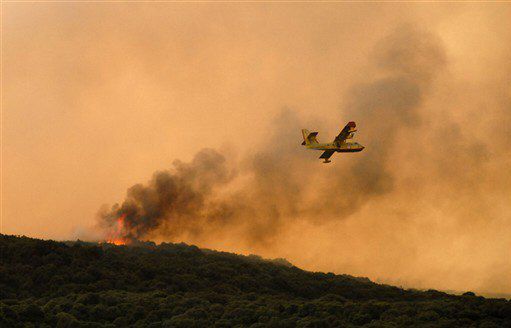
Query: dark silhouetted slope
[(50, 283)]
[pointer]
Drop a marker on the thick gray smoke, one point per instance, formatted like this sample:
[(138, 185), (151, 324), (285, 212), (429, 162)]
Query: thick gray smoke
[(282, 181), (177, 199), (388, 107)]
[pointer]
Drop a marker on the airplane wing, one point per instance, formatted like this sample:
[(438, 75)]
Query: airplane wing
[(327, 154), (347, 132)]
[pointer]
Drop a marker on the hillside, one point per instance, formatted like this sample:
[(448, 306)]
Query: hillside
[(48, 284)]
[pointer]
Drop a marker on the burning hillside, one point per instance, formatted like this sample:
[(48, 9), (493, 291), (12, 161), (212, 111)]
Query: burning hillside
[(117, 232)]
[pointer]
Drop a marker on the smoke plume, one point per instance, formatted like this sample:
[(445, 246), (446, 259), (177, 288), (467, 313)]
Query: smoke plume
[(283, 183), (175, 201)]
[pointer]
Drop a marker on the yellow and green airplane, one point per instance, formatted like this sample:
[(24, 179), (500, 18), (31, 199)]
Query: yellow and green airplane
[(339, 144)]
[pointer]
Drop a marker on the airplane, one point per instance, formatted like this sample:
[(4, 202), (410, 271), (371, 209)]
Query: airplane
[(338, 145)]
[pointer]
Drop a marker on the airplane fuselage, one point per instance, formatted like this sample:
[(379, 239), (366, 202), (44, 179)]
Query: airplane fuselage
[(345, 147)]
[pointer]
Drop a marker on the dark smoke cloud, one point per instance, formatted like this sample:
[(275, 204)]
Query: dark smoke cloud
[(284, 183), (407, 60), (188, 199), (173, 200)]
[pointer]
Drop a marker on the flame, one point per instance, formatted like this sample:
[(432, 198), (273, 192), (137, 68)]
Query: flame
[(116, 235), (120, 241)]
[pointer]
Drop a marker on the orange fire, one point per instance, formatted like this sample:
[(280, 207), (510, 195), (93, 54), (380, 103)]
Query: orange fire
[(116, 234), (120, 241)]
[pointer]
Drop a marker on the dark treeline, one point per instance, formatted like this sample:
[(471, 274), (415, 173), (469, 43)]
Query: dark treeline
[(54, 284)]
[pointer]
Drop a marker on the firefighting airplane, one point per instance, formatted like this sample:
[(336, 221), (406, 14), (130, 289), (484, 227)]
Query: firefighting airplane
[(338, 145)]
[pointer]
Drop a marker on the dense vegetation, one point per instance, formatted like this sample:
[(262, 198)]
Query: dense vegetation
[(54, 284)]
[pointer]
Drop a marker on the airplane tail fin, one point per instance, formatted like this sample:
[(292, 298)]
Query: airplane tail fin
[(309, 137)]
